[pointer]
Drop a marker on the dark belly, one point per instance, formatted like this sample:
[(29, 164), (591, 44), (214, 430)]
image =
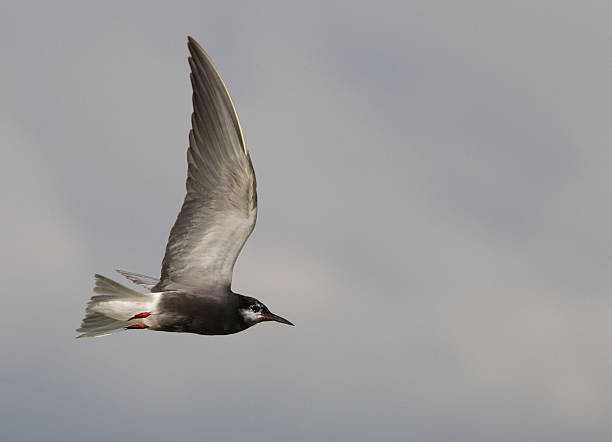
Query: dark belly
[(199, 313)]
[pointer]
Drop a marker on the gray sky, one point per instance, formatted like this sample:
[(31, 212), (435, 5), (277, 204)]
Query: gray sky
[(435, 210)]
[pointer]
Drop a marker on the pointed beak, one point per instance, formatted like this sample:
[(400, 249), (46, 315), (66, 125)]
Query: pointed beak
[(273, 317)]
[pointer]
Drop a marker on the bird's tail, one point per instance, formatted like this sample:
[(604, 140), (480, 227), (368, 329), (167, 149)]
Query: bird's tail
[(115, 308)]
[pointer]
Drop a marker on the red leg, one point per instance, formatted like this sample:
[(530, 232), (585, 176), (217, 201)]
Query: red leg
[(137, 326), (140, 316)]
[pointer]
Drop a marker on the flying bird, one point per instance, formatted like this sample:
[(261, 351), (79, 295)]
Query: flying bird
[(193, 294)]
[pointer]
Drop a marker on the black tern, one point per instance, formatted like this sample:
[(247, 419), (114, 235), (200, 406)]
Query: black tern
[(193, 294)]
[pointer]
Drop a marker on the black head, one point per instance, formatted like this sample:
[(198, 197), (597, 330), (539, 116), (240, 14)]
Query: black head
[(254, 311)]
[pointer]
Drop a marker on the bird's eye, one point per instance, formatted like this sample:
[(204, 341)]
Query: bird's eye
[(255, 308)]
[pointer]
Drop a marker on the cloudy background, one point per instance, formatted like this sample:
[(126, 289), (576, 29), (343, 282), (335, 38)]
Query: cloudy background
[(435, 216)]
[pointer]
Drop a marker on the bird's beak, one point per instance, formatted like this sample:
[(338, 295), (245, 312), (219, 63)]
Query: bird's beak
[(273, 317)]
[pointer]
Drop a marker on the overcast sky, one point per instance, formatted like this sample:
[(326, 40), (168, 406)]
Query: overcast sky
[(435, 216)]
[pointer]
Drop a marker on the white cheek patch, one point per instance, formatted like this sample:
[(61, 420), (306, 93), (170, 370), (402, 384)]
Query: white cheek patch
[(250, 316)]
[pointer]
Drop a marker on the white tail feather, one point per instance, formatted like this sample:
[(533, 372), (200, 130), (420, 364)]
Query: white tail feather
[(111, 310)]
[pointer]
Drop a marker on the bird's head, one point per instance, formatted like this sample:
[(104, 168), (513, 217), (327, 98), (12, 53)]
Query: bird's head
[(254, 311)]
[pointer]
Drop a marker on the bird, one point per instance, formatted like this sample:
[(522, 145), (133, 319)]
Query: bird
[(193, 293)]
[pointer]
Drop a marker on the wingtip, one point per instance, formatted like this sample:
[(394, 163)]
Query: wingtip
[(197, 51), (192, 43)]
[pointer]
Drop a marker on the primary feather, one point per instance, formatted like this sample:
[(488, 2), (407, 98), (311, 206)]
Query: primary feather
[(220, 207)]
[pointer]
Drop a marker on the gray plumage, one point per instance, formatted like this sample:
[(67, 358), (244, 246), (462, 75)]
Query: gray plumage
[(220, 207), (218, 215), (147, 282)]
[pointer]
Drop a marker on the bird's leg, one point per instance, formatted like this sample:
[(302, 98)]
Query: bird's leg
[(140, 316), (137, 326)]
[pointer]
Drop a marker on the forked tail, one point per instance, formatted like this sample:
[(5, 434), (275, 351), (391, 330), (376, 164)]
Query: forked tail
[(114, 309)]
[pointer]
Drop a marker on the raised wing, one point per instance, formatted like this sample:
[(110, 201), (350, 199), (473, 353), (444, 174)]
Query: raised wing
[(220, 207)]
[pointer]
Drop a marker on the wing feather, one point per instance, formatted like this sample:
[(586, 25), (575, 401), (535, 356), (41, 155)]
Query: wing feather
[(220, 207), (147, 282)]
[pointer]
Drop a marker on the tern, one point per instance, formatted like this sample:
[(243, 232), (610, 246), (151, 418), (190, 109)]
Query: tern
[(194, 294)]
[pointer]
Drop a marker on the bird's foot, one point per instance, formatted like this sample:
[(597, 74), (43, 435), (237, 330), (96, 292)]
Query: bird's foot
[(136, 326), (140, 316)]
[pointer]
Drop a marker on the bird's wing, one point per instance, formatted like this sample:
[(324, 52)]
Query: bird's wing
[(147, 282), (220, 207)]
